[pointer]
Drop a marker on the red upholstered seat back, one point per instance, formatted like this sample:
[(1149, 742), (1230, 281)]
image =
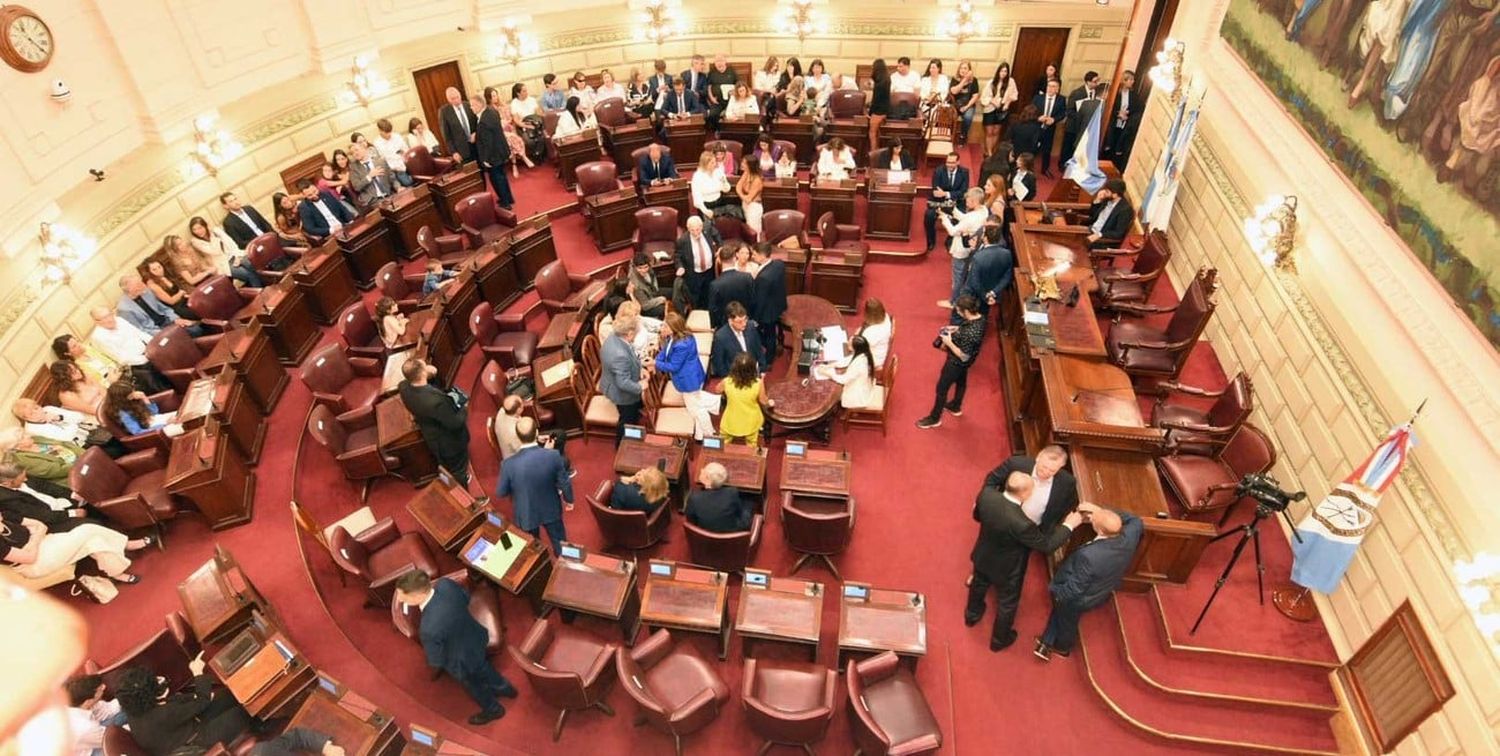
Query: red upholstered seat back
[(482, 323), (551, 282), (1250, 451), (596, 177), (172, 348), (657, 224), (96, 477), (327, 371), (777, 225), (846, 103), (326, 429), (356, 326), (215, 298), (264, 250), (1234, 406), (824, 530), (478, 210), (611, 111)]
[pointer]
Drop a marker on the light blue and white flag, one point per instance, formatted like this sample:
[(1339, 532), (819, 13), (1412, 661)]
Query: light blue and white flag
[(1161, 191), (1083, 167)]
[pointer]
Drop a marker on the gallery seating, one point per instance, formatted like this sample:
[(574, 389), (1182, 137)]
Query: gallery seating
[(130, 491)]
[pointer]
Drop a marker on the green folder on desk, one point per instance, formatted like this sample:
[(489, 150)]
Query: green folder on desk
[(494, 559)]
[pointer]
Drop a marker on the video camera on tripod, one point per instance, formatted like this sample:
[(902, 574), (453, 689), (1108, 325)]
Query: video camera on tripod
[(1267, 492), (1270, 499)]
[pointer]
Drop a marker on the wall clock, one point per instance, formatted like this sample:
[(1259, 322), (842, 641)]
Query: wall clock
[(26, 43)]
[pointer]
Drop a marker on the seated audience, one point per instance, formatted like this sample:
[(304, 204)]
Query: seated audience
[(417, 135), (733, 338), (877, 328), (190, 264), (162, 721), (579, 88), (242, 222), (786, 165), (126, 345), (321, 213), (819, 83), (742, 103), (710, 187), (904, 79), (896, 158), (643, 288), (139, 306), (522, 105), (681, 102), (335, 176), (724, 159), (390, 322), (35, 552), (63, 424), (655, 167), (289, 221), (763, 157), (857, 375), (718, 507), (835, 160), (437, 277), (95, 364), (89, 712), (51, 504), (744, 393), (678, 359), (799, 100), (573, 120), (135, 412), (642, 492), (553, 96), (76, 390), (228, 258), (165, 287), (720, 86), (391, 149), (609, 88)]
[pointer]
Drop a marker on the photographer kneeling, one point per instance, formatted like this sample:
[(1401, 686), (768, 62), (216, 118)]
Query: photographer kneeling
[(960, 344)]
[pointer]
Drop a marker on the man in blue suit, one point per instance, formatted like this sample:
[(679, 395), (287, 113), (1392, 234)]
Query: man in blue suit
[(948, 183), (140, 308), (654, 166), (322, 213), (1052, 108), (1088, 576), (990, 270), (732, 338), (455, 642), (537, 481), (696, 77)]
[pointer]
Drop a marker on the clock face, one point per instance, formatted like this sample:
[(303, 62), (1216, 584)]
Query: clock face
[(25, 41)]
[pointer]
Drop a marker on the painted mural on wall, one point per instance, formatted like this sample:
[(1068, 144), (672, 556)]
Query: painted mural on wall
[(1404, 97)]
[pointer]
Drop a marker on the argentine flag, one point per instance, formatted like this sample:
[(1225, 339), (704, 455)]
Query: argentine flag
[(1333, 530), (1083, 167)]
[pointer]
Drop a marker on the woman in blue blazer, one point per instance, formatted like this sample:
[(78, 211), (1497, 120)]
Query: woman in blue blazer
[(678, 358)]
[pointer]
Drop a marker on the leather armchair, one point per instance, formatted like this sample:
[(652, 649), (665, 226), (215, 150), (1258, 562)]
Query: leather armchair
[(484, 607), (131, 491), (166, 401), (182, 632), (569, 669), (675, 689), (161, 653), (357, 329), (635, 160), (503, 337), (1188, 426), (627, 529), (890, 713), (448, 249), (910, 100), (495, 382), (379, 555), (817, 527), (1206, 482), (268, 257), (788, 703), (1159, 353), (483, 221), (611, 111), (846, 103), (782, 146), (841, 237), (176, 354), (405, 288), (348, 385), (727, 552), (424, 166), (1120, 288), (779, 225), (655, 231), (217, 301), (594, 177), (549, 128), (560, 290), (730, 227), (354, 444)]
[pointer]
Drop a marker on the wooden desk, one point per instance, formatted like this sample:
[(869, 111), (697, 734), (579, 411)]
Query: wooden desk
[(405, 213), (397, 434), (283, 315), (745, 130), (223, 398), (837, 276), (612, 218), (856, 133), (799, 130), (679, 597), (557, 396), (560, 331), (495, 271), (674, 194), (367, 244), (598, 585), (427, 742), (632, 455), (275, 678), (573, 151), (884, 620), (686, 136), (446, 511), (805, 311), (451, 188), (832, 196), (352, 722), (780, 194), (323, 278), (780, 610), (218, 598), (206, 469), (889, 208), (531, 248), (804, 405), (620, 141), (250, 354), (796, 273), (746, 465), (457, 301), (527, 575), (820, 472)]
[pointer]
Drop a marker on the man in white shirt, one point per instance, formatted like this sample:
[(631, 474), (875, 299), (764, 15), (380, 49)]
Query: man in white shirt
[(126, 344), (61, 424), (962, 229), (1056, 491), (392, 149), (904, 79)]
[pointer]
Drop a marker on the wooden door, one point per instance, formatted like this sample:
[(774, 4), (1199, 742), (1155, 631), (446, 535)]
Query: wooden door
[(432, 83), (1035, 48)]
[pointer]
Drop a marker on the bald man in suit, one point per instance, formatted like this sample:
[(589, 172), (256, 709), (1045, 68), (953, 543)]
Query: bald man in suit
[(1006, 540)]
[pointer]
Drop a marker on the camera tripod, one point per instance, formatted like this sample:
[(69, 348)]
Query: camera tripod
[(1248, 532)]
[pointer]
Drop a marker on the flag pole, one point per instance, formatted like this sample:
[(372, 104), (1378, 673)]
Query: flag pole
[(1295, 601)]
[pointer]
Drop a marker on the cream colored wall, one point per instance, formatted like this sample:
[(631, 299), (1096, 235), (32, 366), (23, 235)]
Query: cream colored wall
[(141, 71), (1339, 353)]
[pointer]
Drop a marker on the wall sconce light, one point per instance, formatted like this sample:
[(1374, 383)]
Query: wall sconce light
[(796, 18), (1273, 230), (365, 83), (658, 21), (1479, 587), (963, 23), (212, 147), (1167, 73), (64, 248), (515, 44)]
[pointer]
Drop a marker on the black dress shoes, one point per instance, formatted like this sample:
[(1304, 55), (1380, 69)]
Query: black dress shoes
[(1003, 643), (485, 717), (508, 691), (971, 620)]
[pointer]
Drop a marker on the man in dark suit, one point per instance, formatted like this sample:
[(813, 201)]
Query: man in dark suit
[(1088, 576), (321, 212), (1124, 118), (369, 176), (242, 222), (1006, 540), (1055, 490), (948, 183), (733, 284), (1077, 120), (659, 83), (444, 424), (769, 299), (991, 268), (1051, 108), (718, 507), (537, 481), (683, 100), (732, 338), (459, 125), (1111, 216), (492, 151), (696, 77), (51, 504), (695, 259), (455, 642), (654, 167)]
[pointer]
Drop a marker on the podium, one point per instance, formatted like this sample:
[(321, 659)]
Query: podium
[(801, 131), (223, 397), (284, 318), (323, 276), (836, 276), (406, 213), (674, 194), (612, 218), (206, 469), (686, 136), (573, 151), (620, 141), (830, 195), (779, 194), (367, 244), (531, 247), (855, 132), (495, 271), (888, 210), (746, 131), (451, 188), (397, 434)]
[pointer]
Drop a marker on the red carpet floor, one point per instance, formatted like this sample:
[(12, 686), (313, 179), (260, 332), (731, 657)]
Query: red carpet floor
[(914, 490)]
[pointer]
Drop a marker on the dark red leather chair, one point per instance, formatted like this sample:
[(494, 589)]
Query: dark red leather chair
[(348, 385), (594, 177), (675, 689), (730, 227), (611, 111), (1191, 426), (182, 631), (1145, 351), (161, 653), (846, 103), (841, 237), (405, 288), (569, 669), (130, 491), (560, 290), (484, 607), (268, 257), (817, 528), (1206, 482), (423, 165), (549, 128), (176, 355), (635, 160), (890, 713), (788, 703), (1121, 290), (909, 100), (217, 301), (727, 552), (493, 378), (357, 329), (483, 221), (655, 231), (379, 555), (782, 146), (503, 337), (628, 529), (166, 401), (448, 249), (353, 442), (779, 225)]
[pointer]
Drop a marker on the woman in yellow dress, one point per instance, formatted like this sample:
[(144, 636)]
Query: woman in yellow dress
[(744, 393)]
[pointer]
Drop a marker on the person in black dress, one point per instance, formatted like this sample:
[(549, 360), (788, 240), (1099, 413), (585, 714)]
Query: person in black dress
[(162, 722), (166, 288), (880, 98), (1025, 134)]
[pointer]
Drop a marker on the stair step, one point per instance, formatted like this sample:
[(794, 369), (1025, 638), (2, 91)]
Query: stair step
[(1275, 683)]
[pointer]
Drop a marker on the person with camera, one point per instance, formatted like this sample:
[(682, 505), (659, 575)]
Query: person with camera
[(960, 345), (948, 183), (1088, 577), (963, 227)]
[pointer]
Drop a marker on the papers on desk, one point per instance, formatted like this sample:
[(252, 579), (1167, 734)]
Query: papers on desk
[(1036, 317), (834, 341), (494, 559), (661, 255), (557, 373), (392, 377), (898, 177)]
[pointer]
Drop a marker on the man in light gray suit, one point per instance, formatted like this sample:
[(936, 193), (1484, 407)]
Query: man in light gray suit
[(369, 176), (620, 373)]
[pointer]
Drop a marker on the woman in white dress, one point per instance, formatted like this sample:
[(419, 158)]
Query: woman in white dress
[(742, 103), (34, 552), (609, 88), (857, 375), (709, 187), (836, 161), (878, 328)]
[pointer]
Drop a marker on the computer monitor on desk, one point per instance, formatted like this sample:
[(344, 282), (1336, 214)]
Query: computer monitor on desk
[(757, 578), (635, 432), (569, 551), (796, 449), (713, 442)]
